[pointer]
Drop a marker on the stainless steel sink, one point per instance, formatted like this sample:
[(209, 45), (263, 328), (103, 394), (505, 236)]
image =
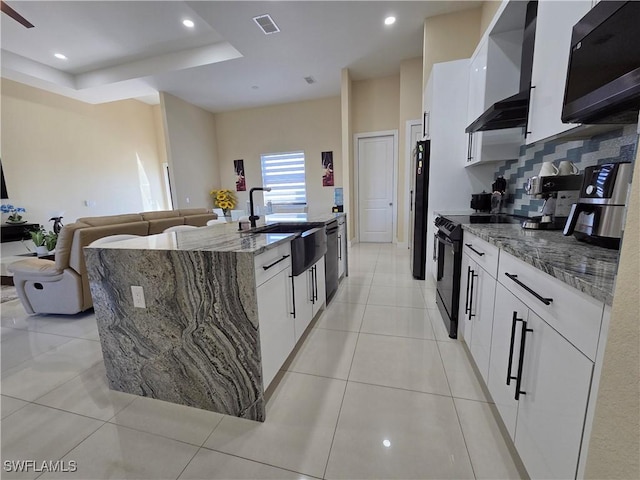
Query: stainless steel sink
[(307, 247)]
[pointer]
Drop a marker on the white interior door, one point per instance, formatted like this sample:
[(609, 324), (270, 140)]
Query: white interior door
[(375, 188)]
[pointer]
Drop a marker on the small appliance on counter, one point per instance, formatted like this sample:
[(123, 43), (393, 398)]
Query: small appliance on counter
[(499, 189), (560, 192), (481, 202), (598, 216)]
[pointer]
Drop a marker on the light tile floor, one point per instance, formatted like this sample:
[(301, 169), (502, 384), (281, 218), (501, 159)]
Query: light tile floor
[(376, 390)]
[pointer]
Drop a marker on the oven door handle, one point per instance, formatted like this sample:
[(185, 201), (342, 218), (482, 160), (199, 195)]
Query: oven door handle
[(445, 240)]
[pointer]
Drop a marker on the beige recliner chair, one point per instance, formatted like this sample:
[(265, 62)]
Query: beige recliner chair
[(62, 286)]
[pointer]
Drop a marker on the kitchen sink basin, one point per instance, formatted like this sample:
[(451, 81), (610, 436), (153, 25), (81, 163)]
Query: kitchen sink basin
[(309, 245)]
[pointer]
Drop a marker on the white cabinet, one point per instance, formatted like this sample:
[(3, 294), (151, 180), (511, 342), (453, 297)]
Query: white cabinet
[(309, 296), (275, 303), (342, 247), (320, 290), (540, 385), (554, 24), (494, 74), (478, 286), (503, 364), (555, 382)]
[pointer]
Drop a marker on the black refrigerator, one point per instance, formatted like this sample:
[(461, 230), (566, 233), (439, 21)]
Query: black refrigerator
[(418, 209)]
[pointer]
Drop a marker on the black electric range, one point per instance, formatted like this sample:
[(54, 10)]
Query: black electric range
[(449, 257)]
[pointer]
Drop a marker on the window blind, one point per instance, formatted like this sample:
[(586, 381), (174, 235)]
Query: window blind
[(284, 173)]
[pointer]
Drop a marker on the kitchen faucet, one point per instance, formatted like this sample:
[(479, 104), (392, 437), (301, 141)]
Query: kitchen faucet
[(252, 217)]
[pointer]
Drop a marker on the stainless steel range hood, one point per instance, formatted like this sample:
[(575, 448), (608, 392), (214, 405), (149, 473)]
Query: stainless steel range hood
[(513, 111)]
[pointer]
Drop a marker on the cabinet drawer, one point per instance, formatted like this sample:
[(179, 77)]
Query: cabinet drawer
[(268, 259), (484, 254), (575, 315)]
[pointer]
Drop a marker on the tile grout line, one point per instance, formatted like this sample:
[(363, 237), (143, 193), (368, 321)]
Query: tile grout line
[(464, 439), (346, 384)]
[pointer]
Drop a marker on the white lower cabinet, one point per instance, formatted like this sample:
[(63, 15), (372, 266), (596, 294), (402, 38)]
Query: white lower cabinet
[(540, 385), (477, 292), (555, 378), (309, 296), (277, 337)]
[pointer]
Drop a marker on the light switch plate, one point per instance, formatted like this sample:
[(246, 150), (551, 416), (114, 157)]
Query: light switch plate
[(138, 296)]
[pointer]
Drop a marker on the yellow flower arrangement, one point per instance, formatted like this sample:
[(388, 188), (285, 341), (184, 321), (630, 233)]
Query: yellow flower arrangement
[(224, 199)]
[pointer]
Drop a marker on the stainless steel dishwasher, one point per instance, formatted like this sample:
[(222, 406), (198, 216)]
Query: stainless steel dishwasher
[(331, 260)]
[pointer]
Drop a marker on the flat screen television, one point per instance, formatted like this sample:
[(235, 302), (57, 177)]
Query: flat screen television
[(603, 76)]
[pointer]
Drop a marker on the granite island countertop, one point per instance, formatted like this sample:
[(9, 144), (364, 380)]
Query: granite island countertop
[(589, 269), (223, 237)]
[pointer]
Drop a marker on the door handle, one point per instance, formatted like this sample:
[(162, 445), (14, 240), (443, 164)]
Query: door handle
[(391, 204), (411, 201)]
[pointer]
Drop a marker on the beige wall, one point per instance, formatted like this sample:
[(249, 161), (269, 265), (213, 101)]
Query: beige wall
[(58, 152), (376, 104), (452, 36), (614, 449), (489, 9), (190, 136), (410, 109), (312, 126)]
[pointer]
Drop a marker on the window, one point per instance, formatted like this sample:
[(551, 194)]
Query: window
[(284, 173)]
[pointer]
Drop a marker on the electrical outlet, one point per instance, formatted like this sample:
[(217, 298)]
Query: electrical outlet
[(138, 296)]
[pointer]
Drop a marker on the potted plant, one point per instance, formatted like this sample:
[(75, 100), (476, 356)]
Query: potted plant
[(14, 212), (224, 199), (44, 242)]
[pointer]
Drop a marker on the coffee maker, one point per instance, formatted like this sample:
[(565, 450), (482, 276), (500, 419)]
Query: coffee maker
[(560, 192), (598, 216)]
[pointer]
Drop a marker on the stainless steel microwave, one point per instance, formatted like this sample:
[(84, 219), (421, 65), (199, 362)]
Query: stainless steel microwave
[(603, 76)]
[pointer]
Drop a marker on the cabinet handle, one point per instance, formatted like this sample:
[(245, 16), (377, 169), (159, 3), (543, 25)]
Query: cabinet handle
[(515, 320), (311, 285), (315, 283), (473, 276), (339, 247), (523, 338), (546, 301), (466, 301), (469, 157), (267, 267), (526, 125), (435, 247), (474, 250), (293, 295)]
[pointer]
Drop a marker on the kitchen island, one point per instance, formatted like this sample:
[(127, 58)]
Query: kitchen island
[(214, 305)]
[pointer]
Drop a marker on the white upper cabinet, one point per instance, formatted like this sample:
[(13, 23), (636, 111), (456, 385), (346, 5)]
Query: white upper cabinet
[(554, 24), (494, 74)]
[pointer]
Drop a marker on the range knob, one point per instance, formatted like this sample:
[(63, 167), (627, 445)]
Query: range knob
[(590, 189)]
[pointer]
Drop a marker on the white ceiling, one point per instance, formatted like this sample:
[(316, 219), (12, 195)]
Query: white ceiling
[(124, 49)]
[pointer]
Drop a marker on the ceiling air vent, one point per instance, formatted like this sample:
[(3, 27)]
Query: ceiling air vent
[(309, 80), (266, 24)]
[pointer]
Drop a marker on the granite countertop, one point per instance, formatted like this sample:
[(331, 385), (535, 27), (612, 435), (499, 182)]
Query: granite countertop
[(588, 268), (302, 217), (223, 237)]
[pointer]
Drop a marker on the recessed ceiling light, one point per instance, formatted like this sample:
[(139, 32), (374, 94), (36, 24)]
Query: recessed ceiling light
[(60, 56), (255, 87), (188, 23), (390, 20)]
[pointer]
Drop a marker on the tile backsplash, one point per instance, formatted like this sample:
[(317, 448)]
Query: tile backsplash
[(615, 146)]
